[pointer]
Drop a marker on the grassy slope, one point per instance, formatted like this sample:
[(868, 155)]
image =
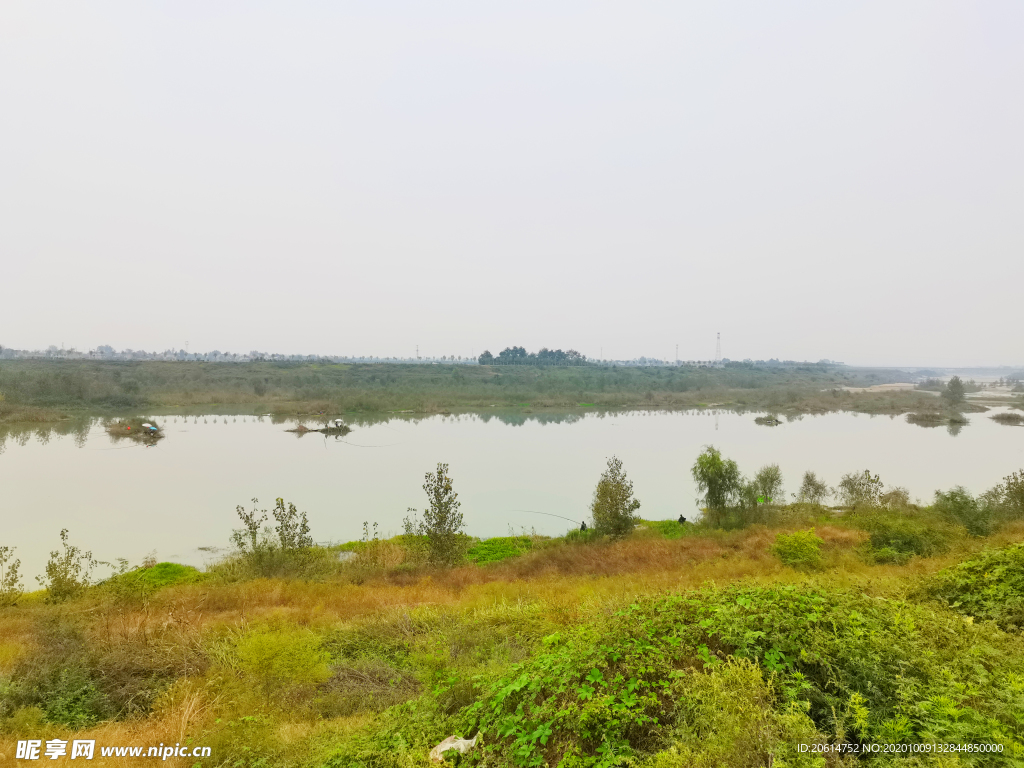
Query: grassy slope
[(284, 671)]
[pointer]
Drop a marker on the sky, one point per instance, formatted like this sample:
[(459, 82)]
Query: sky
[(839, 180)]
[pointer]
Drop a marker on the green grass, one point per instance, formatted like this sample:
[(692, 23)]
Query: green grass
[(667, 529), (157, 577), (498, 549)]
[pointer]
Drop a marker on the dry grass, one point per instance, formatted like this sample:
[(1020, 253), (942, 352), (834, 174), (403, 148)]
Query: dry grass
[(176, 632)]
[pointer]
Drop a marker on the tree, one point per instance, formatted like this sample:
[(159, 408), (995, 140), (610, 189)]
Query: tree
[(767, 484), (613, 506), (954, 391), (813, 490), (442, 521), (486, 358), (860, 489), (717, 479)]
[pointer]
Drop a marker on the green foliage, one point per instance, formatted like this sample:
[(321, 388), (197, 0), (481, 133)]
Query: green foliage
[(895, 538), (860, 489), (292, 528), (800, 549), (68, 572), (442, 521), (768, 485), (499, 548), (1011, 494), (285, 657), (989, 587), (959, 506), (10, 581), (143, 582), (285, 549), (613, 507), (625, 687), (59, 678), (954, 391), (729, 716), (813, 490), (718, 479)]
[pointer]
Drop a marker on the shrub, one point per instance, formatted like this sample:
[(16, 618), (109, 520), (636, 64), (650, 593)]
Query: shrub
[(800, 549), (860, 667), (10, 582), (959, 506), (280, 658), (897, 538), (67, 573), (729, 715), (613, 506), (263, 551), (988, 587)]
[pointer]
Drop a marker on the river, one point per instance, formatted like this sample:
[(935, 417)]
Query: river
[(177, 499)]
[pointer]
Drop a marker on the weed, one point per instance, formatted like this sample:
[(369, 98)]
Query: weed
[(988, 587), (800, 549), (68, 573)]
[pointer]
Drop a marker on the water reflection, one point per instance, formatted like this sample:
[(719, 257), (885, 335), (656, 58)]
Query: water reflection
[(511, 467)]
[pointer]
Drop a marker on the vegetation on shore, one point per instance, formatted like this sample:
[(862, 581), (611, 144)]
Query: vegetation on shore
[(46, 390), (728, 642)]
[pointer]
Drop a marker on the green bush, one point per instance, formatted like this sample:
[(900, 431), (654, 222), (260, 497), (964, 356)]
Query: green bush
[(988, 587), (280, 658), (800, 549), (68, 573), (661, 679), (896, 537), (959, 506), (729, 716)]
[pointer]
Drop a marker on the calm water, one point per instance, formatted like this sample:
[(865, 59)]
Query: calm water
[(127, 500)]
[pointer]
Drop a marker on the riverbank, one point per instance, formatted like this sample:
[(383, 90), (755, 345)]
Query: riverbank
[(670, 643), (38, 391)]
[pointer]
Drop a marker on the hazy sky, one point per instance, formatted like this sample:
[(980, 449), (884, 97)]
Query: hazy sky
[(841, 180)]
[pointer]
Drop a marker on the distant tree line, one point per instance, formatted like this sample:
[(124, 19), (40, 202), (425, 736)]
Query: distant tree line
[(519, 356)]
